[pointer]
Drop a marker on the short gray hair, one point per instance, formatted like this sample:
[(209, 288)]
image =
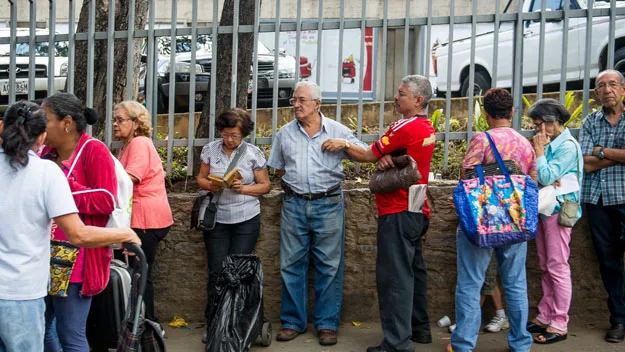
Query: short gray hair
[(315, 90), (609, 71), (419, 86)]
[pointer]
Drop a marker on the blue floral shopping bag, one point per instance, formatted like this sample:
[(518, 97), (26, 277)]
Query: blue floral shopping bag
[(498, 210)]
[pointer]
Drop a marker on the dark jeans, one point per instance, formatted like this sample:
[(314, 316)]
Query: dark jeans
[(607, 224), (226, 239), (71, 321), (401, 279), (149, 243)]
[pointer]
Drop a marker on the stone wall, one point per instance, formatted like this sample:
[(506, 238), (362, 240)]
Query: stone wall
[(180, 272)]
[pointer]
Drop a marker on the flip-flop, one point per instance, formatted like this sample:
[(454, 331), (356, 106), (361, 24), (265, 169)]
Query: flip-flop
[(550, 337), (533, 328)]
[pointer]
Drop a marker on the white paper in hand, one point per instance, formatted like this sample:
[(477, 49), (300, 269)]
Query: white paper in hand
[(568, 184)]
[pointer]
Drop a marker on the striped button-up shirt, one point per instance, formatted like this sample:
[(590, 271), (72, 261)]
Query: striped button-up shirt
[(307, 168), (608, 183), (233, 207)]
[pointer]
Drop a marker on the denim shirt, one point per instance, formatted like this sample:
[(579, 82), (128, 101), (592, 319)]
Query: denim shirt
[(562, 156)]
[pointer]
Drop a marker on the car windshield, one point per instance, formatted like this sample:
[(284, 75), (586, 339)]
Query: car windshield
[(41, 49)]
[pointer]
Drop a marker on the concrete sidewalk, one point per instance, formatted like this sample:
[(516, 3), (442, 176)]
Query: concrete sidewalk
[(357, 339)]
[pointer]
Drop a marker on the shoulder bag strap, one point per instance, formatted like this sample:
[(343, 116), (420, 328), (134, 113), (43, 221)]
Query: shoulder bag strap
[(502, 166), (78, 156)]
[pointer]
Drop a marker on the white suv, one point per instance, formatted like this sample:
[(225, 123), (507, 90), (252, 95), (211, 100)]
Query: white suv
[(24, 68)]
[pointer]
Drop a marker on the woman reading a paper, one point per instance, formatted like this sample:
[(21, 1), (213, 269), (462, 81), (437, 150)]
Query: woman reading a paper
[(236, 172), (560, 169)]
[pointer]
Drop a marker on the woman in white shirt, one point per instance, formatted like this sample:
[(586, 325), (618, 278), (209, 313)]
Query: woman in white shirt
[(35, 192)]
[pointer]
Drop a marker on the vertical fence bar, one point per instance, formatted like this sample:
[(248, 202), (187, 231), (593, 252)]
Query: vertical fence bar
[(339, 82), (274, 110), (587, 47), (12, 45), (235, 56), (541, 50), (298, 45), (517, 84), (319, 43), (471, 95), (565, 46), (90, 57), (611, 34), (496, 42), (383, 78), (172, 87), (150, 79), (428, 43), (406, 37), (71, 55), (452, 5), (213, 90), (255, 69), (51, 46), (130, 57), (191, 130), (32, 66), (361, 73), (110, 58)]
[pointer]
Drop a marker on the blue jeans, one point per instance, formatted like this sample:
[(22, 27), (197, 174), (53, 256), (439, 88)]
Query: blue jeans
[(21, 325), (316, 226), (71, 320), (472, 264)]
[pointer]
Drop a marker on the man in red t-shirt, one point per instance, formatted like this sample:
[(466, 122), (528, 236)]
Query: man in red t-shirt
[(400, 268)]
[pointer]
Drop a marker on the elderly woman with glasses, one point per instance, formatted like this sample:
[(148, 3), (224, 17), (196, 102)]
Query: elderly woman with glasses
[(560, 163), (151, 214), (238, 208)]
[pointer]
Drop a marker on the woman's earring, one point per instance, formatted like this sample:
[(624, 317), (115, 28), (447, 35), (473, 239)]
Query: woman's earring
[(66, 131)]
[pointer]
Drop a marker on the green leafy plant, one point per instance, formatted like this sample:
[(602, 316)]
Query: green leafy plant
[(576, 115)]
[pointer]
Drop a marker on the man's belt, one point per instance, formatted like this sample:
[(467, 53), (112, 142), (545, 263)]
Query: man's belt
[(332, 192)]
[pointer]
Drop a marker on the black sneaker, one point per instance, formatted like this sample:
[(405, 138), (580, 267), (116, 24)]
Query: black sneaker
[(616, 333), (421, 338)]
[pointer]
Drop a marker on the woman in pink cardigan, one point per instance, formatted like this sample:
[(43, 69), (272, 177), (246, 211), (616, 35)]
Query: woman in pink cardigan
[(151, 214), (92, 182)]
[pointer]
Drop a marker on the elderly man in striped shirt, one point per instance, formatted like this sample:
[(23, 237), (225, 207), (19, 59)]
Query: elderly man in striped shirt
[(313, 215)]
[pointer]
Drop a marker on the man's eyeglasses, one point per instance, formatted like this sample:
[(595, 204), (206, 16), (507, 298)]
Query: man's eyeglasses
[(231, 135), (612, 85), (301, 101)]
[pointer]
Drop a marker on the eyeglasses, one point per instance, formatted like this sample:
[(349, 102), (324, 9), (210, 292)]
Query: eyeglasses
[(612, 85), (539, 125), (301, 101), (119, 121), (231, 135)]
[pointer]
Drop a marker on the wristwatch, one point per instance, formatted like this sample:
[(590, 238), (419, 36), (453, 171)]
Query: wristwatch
[(347, 145), (600, 154)]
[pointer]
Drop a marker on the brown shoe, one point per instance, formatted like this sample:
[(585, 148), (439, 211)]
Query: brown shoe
[(327, 337), (286, 334)]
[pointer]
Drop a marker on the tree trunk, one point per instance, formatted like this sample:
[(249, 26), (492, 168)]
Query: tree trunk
[(245, 51), (224, 64), (100, 59)]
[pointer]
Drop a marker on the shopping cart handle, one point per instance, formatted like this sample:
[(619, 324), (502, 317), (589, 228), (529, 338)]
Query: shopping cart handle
[(143, 263)]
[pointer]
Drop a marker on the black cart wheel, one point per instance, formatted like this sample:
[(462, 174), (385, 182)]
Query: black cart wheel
[(266, 335)]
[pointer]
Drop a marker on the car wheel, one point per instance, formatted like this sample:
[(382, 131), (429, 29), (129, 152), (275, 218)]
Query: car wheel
[(481, 84), (619, 60)]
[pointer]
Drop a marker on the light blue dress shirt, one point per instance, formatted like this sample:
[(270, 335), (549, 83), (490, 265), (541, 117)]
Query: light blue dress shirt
[(562, 156), (307, 168)]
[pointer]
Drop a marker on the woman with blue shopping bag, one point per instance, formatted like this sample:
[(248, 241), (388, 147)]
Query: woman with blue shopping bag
[(497, 214)]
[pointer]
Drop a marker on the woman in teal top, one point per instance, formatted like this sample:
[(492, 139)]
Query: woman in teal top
[(560, 163)]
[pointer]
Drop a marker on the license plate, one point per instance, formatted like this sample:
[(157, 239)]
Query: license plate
[(21, 87)]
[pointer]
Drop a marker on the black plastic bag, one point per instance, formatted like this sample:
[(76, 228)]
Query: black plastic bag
[(402, 176), (235, 312)]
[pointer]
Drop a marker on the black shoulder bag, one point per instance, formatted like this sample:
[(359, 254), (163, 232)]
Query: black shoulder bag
[(204, 212)]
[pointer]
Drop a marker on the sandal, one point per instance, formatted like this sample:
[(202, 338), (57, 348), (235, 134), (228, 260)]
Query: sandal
[(533, 328), (550, 337)]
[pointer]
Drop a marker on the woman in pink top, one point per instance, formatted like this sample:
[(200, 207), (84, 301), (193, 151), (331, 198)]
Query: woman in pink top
[(151, 214)]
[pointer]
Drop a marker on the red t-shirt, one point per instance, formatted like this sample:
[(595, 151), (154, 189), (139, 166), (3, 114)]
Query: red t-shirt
[(415, 137)]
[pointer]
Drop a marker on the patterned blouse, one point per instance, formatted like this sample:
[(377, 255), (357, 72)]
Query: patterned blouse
[(233, 207)]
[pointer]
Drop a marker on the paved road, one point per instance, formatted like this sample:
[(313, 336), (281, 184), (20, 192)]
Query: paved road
[(357, 339)]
